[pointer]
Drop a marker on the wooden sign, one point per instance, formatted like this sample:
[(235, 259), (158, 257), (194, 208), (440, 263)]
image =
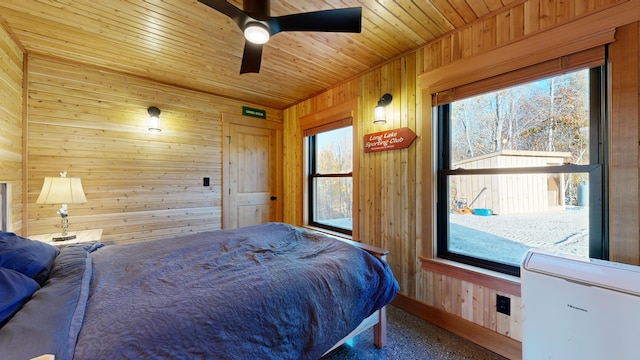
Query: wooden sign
[(389, 140)]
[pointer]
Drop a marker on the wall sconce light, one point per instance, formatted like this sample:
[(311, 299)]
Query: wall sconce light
[(154, 118), (380, 112), (62, 190)]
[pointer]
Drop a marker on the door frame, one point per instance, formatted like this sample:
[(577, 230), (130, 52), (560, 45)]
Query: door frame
[(240, 120)]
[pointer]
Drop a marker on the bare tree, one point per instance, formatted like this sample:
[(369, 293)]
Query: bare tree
[(548, 115), (335, 157)]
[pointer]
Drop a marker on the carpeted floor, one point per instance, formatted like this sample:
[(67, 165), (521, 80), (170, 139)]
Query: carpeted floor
[(411, 338)]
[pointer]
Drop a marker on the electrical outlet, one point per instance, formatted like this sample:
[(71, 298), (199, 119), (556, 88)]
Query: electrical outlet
[(205, 181), (503, 305)]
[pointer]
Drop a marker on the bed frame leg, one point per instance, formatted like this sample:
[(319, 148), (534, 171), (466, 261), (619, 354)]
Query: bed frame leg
[(380, 329)]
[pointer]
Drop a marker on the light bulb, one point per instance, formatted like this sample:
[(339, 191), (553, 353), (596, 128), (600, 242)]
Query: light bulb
[(379, 115), (154, 123), (256, 33)]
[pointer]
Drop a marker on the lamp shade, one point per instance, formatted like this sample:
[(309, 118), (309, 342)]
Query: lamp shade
[(61, 190), (379, 115), (154, 118), (256, 33)]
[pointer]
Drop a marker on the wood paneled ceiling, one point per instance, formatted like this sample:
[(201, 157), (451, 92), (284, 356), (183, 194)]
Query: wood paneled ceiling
[(186, 43)]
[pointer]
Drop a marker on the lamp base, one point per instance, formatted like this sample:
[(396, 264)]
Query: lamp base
[(61, 237)]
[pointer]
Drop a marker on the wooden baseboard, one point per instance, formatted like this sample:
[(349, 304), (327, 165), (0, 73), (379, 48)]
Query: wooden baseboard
[(482, 336)]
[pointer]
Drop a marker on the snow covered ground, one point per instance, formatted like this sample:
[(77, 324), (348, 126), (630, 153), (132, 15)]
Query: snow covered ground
[(508, 237)]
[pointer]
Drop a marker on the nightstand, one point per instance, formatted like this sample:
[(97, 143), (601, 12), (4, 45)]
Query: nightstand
[(81, 236)]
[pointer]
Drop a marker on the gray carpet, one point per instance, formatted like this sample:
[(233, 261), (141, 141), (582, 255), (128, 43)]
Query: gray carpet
[(409, 338)]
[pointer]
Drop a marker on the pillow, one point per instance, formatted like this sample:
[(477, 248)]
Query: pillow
[(29, 257), (16, 289)]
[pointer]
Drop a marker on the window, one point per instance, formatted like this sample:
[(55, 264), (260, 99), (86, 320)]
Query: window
[(330, 185), (521, 167)]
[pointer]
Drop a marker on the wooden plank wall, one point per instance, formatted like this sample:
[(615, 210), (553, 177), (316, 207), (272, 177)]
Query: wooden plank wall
[(386, 214), (521, 19), (139, 184), (11, 79), (390, 182), (624, 181)]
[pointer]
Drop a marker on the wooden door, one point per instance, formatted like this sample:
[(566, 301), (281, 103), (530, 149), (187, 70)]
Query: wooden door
[(251, 171)]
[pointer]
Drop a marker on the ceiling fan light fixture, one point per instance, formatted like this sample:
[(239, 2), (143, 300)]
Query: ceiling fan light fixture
[(256, 33), (257, 24)]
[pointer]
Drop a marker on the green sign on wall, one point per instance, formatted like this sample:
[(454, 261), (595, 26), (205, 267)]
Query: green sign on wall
[(259, 113)]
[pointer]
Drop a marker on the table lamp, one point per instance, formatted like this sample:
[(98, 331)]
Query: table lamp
[(62, 190)]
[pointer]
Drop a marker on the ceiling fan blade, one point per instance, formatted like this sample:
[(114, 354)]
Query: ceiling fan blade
[(251, 58), (237, 15), (334, 20)]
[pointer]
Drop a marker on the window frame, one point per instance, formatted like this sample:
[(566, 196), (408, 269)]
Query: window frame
[(313, 174), (337, 115), (5, 210), (598, 184)]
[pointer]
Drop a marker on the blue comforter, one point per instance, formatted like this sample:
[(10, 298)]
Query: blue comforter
[(270, 291)]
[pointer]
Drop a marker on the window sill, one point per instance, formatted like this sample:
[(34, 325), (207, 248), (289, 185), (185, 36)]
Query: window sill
[(491, 279), (329, 232)]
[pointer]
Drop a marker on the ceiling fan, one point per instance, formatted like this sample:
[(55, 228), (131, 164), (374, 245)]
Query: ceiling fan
[(258, 26)]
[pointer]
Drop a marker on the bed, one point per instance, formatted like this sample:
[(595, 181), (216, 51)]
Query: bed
[(270, 291)]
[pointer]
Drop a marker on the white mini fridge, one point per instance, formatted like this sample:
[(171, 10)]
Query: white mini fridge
[(575, 308)]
